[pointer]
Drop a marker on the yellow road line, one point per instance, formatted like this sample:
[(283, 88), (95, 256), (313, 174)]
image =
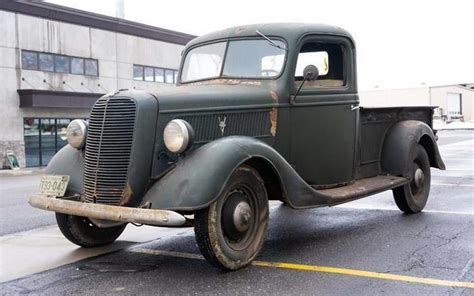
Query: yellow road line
[(323, 269), (364, 273)]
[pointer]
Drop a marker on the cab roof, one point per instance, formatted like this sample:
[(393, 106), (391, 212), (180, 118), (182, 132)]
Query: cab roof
[(289, 31)]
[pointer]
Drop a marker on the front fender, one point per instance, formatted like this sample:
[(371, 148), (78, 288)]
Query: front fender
[(199, 178), (68, 161), (399, 141)]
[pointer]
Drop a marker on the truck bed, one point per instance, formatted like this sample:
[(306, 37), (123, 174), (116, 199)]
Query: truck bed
[(373, 126)]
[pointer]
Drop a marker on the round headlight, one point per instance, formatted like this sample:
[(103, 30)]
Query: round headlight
[(178, 135), (76, 133)]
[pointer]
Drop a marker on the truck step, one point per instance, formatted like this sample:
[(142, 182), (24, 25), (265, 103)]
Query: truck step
[(363, 187)]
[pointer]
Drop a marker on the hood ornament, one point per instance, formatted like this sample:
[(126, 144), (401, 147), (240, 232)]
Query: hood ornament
[(222, 124)]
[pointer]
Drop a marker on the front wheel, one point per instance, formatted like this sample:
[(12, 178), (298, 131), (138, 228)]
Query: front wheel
[(231, 231), (82, 232), (412, 197)]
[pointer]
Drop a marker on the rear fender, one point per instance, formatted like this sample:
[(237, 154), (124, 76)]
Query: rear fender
[(399, 141)]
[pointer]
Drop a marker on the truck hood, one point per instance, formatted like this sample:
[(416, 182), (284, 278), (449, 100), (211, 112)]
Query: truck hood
[(216, 96)]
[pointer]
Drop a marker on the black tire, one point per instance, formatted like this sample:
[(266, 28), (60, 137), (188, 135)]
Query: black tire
[(82, 232), (412, 197), (231, 231)]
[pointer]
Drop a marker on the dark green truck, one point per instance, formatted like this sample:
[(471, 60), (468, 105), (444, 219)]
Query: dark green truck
[(261, 112)]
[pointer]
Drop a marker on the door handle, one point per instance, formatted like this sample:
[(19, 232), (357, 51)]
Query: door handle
[(355, 107)]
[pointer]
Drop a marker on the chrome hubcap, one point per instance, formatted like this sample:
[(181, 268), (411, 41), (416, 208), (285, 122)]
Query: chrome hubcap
[(242, 216), (419, 178)]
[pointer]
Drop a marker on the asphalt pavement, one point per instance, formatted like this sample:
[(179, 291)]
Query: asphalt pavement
[(366, 247)]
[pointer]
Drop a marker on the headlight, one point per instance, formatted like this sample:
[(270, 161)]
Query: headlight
[(76, 133), (178, 135)]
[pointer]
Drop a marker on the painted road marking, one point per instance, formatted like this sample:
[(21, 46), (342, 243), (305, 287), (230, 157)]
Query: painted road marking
[(397, 210), (452, 184), (322, 269)]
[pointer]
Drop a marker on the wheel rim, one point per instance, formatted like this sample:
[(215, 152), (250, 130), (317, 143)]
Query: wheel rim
[(239, 217)]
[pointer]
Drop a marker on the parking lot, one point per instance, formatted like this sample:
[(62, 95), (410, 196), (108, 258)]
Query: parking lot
[(366, 247)]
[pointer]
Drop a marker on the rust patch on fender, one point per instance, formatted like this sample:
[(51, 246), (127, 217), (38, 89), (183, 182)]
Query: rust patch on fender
[(126, 194), (274, 120)]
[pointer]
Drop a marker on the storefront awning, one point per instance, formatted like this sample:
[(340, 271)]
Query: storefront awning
[(35, 98)]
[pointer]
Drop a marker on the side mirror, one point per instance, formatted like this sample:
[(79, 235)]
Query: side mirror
[(310, 73)]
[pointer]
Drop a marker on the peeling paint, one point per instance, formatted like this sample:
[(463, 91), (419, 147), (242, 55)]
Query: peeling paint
[(227, 82), (126, 194), (274, 96), (274, 120)]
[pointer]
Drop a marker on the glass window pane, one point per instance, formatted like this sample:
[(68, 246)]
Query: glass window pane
[(61, 64), (48, 140), (29, 60), (318, 58), (169, 76), (159, 75), (61, 135), (77, 66), (254, 58), (204, 62), (46, 62), (137, 72), (31, 134), (175, 76), (149, 75), (92, 68)]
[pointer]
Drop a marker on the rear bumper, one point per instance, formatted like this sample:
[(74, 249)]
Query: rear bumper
[(107, 212)]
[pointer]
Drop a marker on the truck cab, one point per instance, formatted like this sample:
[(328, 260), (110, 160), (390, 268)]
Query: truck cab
[(260, 112)]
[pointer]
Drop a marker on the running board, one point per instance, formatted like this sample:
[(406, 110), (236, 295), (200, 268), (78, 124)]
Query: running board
[(362, 188)]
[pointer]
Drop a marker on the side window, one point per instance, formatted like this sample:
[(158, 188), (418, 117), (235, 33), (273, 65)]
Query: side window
[(328, 58)]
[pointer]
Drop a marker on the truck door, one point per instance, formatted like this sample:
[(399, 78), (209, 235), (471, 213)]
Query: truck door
[(325, 112)]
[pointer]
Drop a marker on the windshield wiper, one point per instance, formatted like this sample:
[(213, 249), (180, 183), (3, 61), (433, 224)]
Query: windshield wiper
[(272, 43)]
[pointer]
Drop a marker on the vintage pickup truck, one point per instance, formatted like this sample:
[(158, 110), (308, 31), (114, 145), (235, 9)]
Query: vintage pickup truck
[(260, 112)]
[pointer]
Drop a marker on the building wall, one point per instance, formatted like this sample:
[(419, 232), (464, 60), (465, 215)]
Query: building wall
[(395, 97), (421, 96), (438, 98), (116, 53)]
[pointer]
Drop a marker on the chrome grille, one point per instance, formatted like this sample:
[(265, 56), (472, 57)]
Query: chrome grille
[(108, 149)]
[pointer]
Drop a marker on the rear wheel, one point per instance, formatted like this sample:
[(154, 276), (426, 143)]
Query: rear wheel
[(81, 231), (412, 197), (231, 231)]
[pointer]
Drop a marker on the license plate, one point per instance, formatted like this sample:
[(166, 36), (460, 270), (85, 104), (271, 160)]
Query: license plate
[(54, 185)]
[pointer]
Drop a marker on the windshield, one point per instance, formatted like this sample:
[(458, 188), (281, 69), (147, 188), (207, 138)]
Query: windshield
[(243, 59)]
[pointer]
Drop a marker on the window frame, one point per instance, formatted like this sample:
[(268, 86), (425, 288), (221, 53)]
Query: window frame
[(227, 40), (69, 57), (37, 60), (348, 64), (155, 68)]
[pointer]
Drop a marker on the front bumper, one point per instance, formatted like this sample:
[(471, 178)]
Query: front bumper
[(107, 212)]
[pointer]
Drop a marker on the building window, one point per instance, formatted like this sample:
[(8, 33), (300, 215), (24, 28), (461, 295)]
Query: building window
[(44, 137), (137, 72), (159, 75), (61, 64), (29, 60), (48, 62), (92, 68), (148, 73), (77, 66)]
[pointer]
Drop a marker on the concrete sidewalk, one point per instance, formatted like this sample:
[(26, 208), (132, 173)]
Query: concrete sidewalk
[(22, 172)]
